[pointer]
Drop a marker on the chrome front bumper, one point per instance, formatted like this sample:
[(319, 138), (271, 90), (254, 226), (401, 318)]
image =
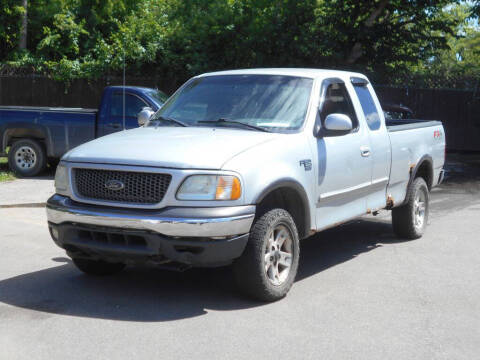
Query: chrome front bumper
[(173, 221)]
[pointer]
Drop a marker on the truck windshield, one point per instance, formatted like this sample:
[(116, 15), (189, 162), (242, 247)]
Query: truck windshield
[(275, 103), (158, 95)]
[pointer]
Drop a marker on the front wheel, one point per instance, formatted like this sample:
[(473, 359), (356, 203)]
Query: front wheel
[(268, 266), (410, 220)]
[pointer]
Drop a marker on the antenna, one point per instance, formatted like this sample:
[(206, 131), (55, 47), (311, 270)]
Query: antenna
[(124, 84)]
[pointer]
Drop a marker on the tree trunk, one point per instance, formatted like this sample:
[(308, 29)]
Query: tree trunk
[(23, 32), (357, 50)]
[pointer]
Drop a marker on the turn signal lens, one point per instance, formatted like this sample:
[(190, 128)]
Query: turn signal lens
[(228, 188)]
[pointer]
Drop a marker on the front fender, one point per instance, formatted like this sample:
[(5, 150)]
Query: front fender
[(276, 164)]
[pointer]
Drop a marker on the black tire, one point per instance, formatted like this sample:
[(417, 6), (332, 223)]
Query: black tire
[(403, 217), (34, 151), (250, 269), (53, 163), (97, 267)]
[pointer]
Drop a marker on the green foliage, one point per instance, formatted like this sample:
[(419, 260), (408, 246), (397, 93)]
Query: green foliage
[(458, 64), (384, 38), (5, 173), (175, 39), (475, 9), (63, 39), (10, 24)]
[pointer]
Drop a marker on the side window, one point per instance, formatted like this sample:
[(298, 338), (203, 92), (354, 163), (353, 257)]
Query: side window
[(338, 101), (133, 105), (368, 107)]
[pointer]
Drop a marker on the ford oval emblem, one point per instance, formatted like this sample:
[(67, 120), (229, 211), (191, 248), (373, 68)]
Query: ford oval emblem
[(114, 185)]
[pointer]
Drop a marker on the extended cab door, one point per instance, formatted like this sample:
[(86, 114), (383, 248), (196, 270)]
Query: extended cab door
[(344, 169), (113, 122), (380, 147)]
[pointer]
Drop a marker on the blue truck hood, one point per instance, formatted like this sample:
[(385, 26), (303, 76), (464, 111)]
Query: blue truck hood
[(174, 147)]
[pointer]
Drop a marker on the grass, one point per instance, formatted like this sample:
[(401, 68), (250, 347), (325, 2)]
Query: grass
[(5, 173)]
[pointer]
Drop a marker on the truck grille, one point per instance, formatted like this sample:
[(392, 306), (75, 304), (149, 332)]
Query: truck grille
[(132, 187)]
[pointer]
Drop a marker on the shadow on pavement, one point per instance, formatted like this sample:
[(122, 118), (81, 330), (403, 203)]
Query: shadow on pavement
[(337, 245), (461, 186), (462, 171), (150, 294)]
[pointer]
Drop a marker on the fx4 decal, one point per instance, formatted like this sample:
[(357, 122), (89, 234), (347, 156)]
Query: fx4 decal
[(437, 134)]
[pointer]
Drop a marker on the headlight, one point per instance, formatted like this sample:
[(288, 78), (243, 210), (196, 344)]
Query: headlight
[(210, 187), (61, 179)]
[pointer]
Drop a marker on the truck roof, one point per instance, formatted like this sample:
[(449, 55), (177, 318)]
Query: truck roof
[(127, 87), (300, 72)]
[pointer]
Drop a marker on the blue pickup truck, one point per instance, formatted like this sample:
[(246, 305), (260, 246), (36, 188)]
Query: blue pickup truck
[(38, 135)]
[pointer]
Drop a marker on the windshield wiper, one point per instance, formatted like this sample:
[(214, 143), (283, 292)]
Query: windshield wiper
[(169, 119), (227, 121)]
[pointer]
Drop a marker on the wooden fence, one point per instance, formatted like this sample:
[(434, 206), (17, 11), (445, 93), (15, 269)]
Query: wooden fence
[(459, 110), (42, 91)]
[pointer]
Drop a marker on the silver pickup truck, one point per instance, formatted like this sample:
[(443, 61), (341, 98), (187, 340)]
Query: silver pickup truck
[(236, 168)]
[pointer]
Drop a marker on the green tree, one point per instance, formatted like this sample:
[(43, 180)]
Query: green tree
[(459, 63), (382, 35), (174, 39), (11, 13)]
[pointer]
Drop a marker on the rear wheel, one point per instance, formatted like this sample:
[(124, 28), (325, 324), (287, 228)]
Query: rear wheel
[(410, 220), (268, 266), (97, 267), (27, 158)]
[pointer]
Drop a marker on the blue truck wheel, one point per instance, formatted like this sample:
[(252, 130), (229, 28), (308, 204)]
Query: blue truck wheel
[(27, 158)]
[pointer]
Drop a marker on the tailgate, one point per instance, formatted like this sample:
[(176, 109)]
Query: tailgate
[(411, 145)]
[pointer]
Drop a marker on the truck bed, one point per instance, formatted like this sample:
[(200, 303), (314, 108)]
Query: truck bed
[(49, 109), (409, 124), (60, 128)]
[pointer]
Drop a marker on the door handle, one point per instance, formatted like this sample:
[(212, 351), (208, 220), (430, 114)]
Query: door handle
[(365, 151), (114, 125)]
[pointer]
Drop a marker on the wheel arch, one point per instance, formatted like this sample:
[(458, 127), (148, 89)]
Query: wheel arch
[(424, 169), (290, 195), (26, 131)]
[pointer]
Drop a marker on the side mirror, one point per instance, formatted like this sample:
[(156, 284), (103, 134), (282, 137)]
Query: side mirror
[(338, 123), (144, 116)]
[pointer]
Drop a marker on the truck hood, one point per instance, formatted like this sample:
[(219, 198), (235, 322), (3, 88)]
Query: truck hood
[(174, 147)]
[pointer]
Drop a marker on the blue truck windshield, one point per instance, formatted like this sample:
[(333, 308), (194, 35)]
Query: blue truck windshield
[(276, 103), (158, 95)]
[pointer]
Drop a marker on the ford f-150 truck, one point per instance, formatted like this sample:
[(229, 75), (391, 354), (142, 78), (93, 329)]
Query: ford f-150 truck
[(236, 168), (38, 134)]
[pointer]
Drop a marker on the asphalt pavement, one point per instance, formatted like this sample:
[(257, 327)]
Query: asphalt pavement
[(361, 293)]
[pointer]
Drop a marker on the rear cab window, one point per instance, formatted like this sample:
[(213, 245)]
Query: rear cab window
[(368, 106), (133, 105)]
